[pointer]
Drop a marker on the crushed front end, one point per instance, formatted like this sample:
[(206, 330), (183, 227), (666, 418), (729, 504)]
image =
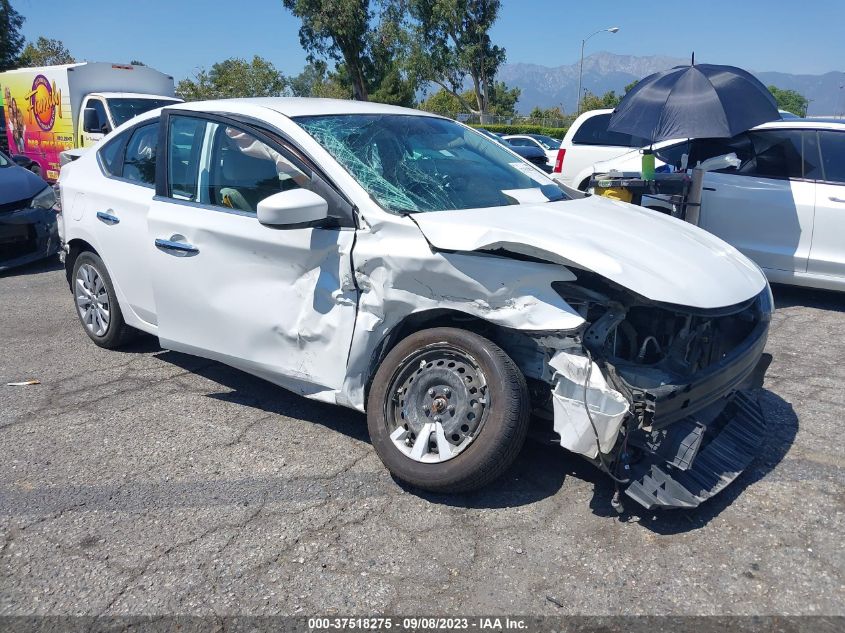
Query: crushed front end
[(661, 397)]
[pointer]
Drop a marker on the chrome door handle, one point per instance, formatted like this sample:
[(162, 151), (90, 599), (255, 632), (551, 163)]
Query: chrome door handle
[(835, 199), (107, 218), (180, 247)]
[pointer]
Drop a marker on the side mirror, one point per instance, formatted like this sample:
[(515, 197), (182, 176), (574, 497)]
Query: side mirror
[(90, 120), (292, 207)]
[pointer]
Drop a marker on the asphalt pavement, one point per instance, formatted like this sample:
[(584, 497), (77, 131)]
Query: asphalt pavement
[(150, 482)]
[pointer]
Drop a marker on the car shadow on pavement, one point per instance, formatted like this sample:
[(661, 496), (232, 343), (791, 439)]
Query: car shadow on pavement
[(782, 429), (791, 296), (251, 391), (41, 266), (538, 473), (540, 469)]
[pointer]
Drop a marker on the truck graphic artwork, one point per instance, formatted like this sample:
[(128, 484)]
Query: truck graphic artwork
[(52, 109), (43, 102)]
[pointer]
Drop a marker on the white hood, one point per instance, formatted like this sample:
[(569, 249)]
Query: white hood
[(654, 255)]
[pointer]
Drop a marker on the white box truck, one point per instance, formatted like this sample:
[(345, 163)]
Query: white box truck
[(52, 109)]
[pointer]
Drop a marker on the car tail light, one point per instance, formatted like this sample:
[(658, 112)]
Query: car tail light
[(561, 154)]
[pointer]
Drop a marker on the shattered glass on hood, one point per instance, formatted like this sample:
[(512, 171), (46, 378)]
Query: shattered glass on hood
[(412, 164)]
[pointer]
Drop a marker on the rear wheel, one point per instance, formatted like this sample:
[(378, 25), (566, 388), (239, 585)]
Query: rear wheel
[(96, 303), (35, 169), (448, 410)]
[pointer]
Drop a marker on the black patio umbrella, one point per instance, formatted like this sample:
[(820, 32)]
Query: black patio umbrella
[(697, 101)]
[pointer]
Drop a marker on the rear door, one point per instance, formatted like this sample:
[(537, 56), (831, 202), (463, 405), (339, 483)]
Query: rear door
[(765, 207), (276, 302), (827, 254), (120, 204)]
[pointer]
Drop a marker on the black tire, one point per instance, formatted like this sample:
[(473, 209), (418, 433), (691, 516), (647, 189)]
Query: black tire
[(35, 168), (499, 437), (585, 184), (117, 332)]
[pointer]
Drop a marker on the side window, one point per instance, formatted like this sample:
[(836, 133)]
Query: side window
[(672, 154), (777, 154), (833, 155), (704, 149), (520, 142), (594, 131), (186, 139), (139, 164), (110, 154), (95, 121), (243, 171)]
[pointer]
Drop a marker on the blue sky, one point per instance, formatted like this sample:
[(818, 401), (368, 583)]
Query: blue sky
[(179, 36)]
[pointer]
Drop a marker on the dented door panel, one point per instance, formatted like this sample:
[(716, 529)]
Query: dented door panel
[(278, 303)]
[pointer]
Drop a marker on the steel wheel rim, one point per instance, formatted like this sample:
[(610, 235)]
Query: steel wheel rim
[(92, 300), (438, 402)]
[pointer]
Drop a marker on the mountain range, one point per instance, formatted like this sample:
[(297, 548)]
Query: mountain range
[(547, 87)]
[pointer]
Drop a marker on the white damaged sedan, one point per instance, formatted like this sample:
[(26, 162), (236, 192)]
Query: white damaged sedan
[(404, 265)]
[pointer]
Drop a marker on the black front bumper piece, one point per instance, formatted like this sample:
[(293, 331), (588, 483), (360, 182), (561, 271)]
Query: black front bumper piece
[(717, 464), (27, 235)]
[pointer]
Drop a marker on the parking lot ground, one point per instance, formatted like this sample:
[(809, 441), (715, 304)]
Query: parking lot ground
[(150, 482)]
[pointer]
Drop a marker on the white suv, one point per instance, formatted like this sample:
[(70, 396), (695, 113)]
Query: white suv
[(587, 142), (783, 206)]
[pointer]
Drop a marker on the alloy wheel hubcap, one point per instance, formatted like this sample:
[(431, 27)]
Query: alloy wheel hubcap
[(92, 300), (438, 404)]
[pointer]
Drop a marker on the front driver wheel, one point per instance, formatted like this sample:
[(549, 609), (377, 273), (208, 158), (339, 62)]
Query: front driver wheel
[(448, 410), (96, 303)]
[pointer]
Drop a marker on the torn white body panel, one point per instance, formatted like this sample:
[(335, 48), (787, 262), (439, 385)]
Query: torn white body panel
[(398, 275), (654, 255), (607, 406)]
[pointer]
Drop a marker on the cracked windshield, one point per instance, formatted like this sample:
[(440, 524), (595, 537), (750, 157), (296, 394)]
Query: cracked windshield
[(413, 164)]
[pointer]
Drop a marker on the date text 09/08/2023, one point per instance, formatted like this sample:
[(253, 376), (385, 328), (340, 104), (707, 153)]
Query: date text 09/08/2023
[(416, 623)]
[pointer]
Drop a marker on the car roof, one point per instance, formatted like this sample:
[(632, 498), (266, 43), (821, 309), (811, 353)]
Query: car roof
[(818, 123), (300, 106)]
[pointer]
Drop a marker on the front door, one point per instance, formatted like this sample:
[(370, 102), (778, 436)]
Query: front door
[(95, 122), (276, 302), (765, 207)]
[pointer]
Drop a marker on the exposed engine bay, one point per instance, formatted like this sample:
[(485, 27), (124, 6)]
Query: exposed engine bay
[(643, 388)]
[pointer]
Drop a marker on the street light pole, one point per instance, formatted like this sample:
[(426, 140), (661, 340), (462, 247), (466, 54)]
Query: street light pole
[(613, 29)]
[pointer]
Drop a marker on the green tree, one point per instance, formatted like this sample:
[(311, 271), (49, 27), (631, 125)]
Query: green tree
[(593, 102), (306, 83), (45, 52), (452, 42), (629, 87), (790, 100), (234, 77), (368, 41), (444, 103), (336, 29), (547, 113), (135, 62), (503, 101), (11, 40)]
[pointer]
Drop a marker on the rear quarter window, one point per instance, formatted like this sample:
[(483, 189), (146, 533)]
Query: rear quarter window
[(111, 153), (594, 131)]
